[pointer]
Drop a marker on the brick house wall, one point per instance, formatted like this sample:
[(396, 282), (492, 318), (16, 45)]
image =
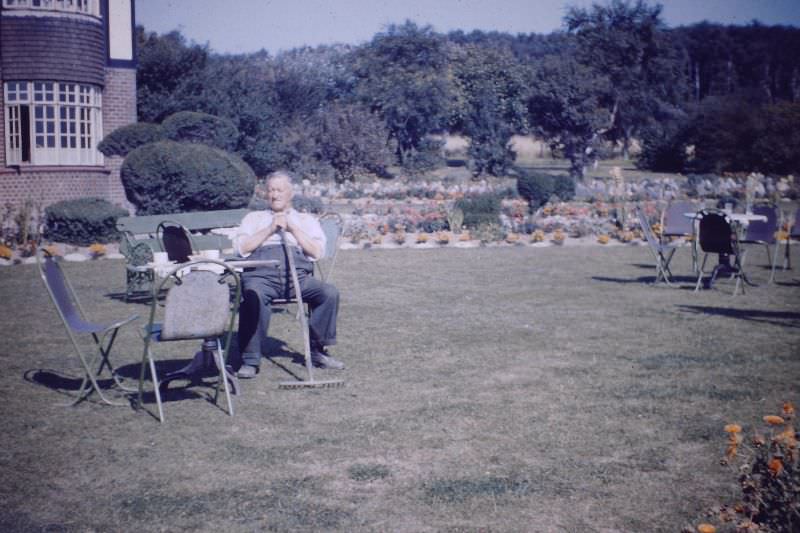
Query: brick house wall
[(66, 49)]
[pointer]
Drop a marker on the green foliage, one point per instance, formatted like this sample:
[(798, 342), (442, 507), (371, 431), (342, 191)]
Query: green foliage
[(83, 221), (567, 105), (346, 138), (537, 188), (403, 75), (778, 143), (490, 105), (169, 74), (191, 126), (171, 177), (124, 140), (664, 147), (480, 209), (425, 157)]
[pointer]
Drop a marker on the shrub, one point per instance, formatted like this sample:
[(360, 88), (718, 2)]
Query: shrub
[(124, 140), (83, 221), (170, 177), (480, 209), (537, 188), (202, 128)]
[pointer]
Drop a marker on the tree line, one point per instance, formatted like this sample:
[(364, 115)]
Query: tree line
[(699, 98)]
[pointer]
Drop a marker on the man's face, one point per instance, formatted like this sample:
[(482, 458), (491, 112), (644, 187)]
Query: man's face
[(279, 194)]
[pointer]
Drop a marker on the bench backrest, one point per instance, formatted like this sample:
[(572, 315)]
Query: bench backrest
[(196, 221)]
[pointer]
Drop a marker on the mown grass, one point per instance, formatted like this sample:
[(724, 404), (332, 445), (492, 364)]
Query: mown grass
[(494, 389)]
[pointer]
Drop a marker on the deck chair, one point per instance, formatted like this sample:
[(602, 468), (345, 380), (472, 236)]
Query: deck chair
[(763, 233), (198, 305), (176, 240), (333, 227), (74, 318), (716, 235), (662, 252), (674, 223)]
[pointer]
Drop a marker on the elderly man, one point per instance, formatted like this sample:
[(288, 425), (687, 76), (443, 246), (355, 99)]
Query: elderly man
[(259, 237)]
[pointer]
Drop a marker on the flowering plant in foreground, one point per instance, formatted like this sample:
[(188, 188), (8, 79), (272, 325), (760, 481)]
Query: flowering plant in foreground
[(769, 477), (96, 250)]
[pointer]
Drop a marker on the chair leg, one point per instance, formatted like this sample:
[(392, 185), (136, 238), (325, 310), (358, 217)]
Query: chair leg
[(155, 387), (774, 261), (700, 273), (223, 377), (147, 362)]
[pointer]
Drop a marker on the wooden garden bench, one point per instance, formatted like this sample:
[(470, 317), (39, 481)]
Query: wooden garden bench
[(139, 240)]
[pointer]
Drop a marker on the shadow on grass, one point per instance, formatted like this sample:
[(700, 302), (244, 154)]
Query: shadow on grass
[(778, 318), (649, 280)]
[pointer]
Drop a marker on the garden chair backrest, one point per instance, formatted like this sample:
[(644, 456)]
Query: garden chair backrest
[(716, 234), (763, 232), (175, 240), (674, 221)]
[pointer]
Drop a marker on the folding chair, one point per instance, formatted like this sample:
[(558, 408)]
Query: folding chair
[(716, 235), (176, 240), (74, 318), (763, 233), (333, 227), (662, 252), (198, 305), (675, 223)]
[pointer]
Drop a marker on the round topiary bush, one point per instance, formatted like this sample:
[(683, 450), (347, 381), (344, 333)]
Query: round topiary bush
[(194, 127), (124, 140), (171, 177), (83, 221)]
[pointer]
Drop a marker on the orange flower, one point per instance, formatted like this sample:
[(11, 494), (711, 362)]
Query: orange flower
[(603, 239), (788, 409), (774, 420), (5, 251), (730, 453), (775, 466), (733, 428), (706, 528)]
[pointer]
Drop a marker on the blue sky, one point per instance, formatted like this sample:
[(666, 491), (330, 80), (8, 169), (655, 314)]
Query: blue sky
[(235, 26)]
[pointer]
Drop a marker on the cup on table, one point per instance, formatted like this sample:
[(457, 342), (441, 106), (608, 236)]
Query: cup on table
[(160, 257), (210, 254)]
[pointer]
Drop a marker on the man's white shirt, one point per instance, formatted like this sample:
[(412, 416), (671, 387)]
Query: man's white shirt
[(258, 220)]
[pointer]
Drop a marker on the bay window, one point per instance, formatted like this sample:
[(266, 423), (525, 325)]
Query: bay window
[(52, 123)]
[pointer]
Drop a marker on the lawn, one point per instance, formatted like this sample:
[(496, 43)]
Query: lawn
[(489, 389)]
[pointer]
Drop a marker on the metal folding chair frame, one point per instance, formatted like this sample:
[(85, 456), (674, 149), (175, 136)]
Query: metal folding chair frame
[(73, 317), (731, 247), (662, 253)]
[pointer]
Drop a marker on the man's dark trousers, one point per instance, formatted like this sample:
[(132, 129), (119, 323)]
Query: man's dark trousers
[(261, 285)]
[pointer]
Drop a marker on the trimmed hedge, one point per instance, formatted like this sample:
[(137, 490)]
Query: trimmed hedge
[(171, 177), (537, 188), (83, 221), (124, 140), (195, 127), (480, 209)]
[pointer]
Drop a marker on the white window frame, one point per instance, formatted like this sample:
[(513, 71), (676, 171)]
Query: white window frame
[(52, 123), (84, 7)]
